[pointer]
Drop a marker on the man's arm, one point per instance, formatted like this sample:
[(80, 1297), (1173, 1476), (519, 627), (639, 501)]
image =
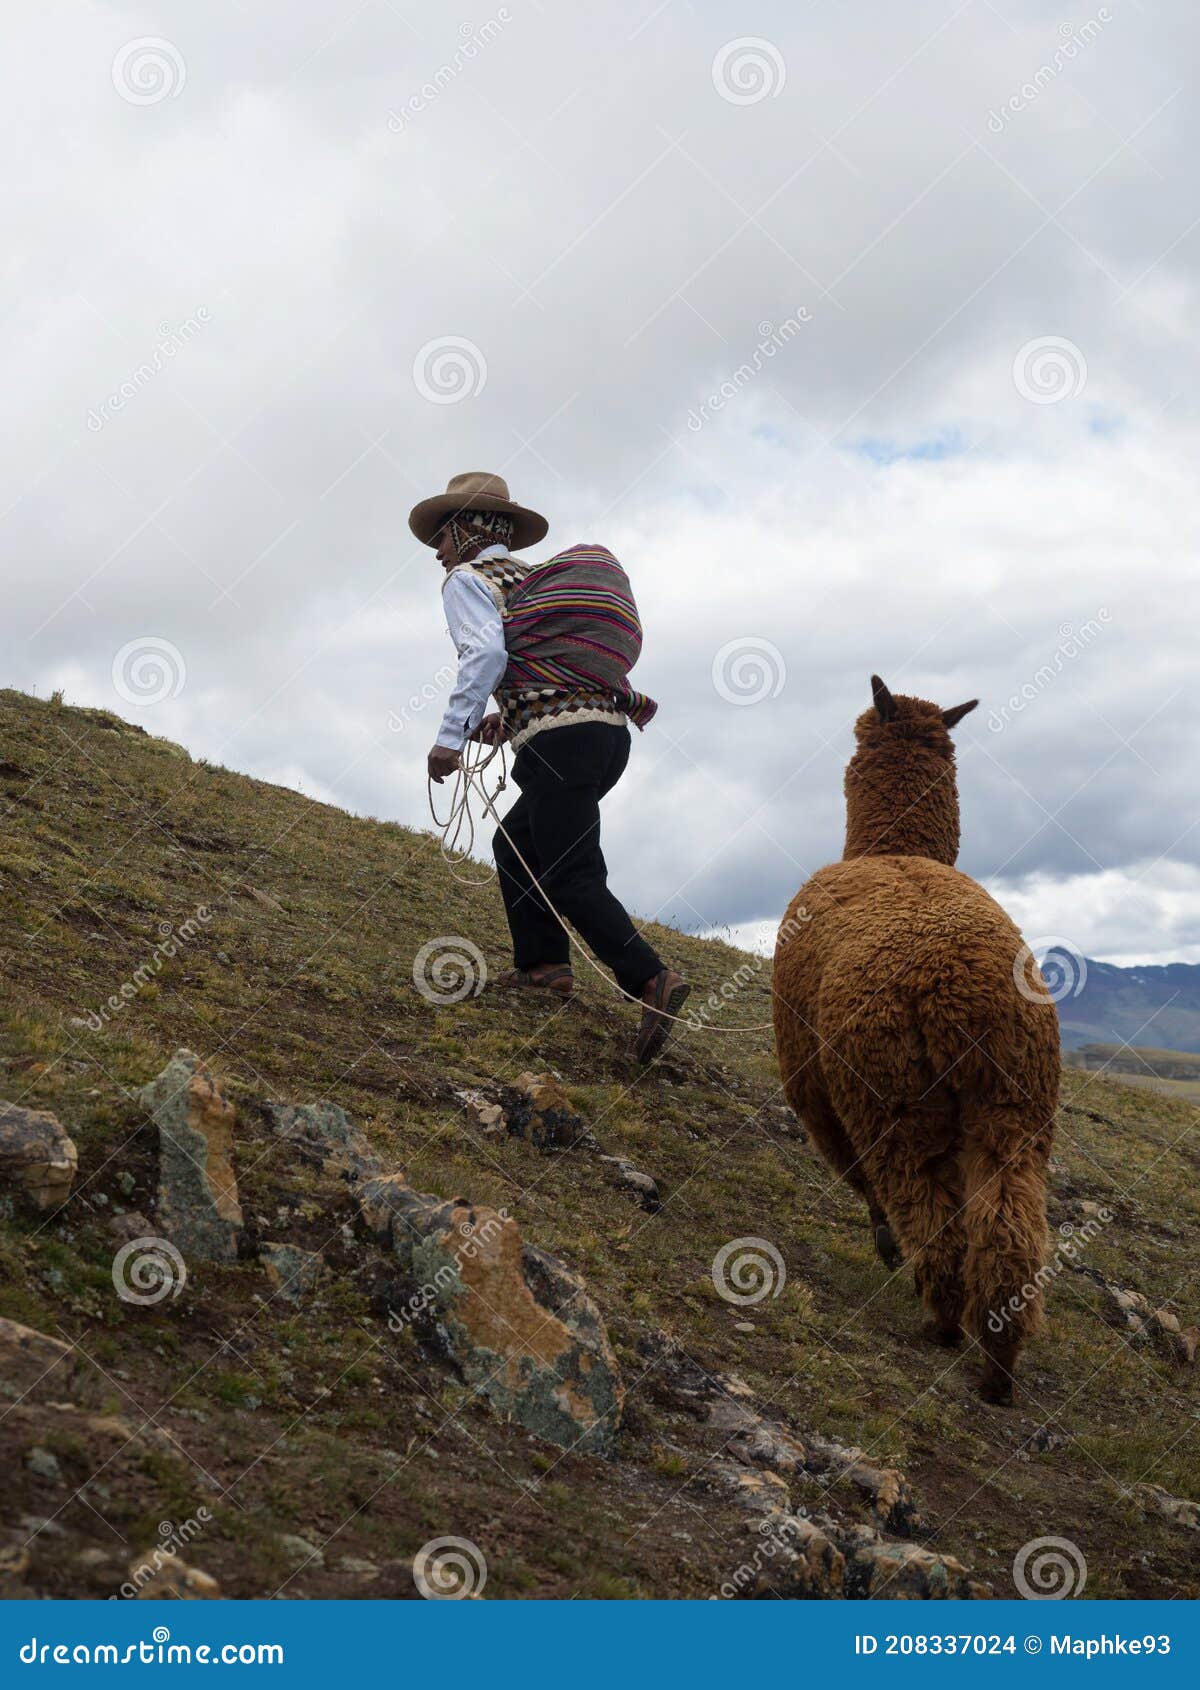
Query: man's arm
[(477, 630)]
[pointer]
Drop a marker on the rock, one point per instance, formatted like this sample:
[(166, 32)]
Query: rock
[(43, 1463), (124, 1228), (299, 1553), (173, 1581), (537, 1109), (803, 1564), (517, 1322), (629, 1178), (37, 1158), (291, 1271), (198, 1208), (1175, 1508), (356, 1566), (14, 1561), (33, 1367), (1187, 1343), (326, 1138), (744, 1326), (761, 1493), (126, 1184), (903, 1572)]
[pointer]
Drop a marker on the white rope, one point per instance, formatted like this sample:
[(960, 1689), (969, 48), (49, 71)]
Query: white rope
[(460, 821)]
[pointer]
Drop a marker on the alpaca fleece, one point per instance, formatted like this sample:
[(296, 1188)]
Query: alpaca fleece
[(925, 1078)]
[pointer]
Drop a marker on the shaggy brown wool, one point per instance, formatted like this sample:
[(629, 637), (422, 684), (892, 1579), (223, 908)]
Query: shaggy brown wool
[(925, 1078)]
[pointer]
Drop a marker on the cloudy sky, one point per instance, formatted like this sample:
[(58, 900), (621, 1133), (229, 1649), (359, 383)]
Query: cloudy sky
[(863, 333)]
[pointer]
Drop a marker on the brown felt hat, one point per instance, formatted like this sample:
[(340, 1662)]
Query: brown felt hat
[(476, 491)]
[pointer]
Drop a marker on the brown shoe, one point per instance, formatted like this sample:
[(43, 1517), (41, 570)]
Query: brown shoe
[(560, 980), (663, 997)]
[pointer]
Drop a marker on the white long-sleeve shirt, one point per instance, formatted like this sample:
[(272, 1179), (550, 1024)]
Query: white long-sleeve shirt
[(477, 629)]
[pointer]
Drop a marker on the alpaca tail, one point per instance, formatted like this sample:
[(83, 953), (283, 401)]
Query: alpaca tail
[(1004, 1169)]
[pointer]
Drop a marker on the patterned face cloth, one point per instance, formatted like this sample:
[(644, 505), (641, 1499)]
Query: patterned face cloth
[(493, 528)]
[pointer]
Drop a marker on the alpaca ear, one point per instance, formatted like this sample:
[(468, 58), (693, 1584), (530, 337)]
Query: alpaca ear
[(884, 702), (954, 716)]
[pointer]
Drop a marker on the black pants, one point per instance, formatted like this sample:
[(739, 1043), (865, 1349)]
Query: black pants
[(563, 773)]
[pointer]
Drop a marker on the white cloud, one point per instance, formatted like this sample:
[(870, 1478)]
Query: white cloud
[(617, 240)]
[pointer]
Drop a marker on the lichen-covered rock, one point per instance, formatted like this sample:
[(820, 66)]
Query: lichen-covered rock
[(537, 1108), (292, 1272), (799, 1563), (903, 1572), (33, 1367), (326, 1139), (198, 1208), (37, 1157), (518, 1323)]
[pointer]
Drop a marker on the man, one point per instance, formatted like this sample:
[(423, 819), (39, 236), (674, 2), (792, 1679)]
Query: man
[(571, 744)]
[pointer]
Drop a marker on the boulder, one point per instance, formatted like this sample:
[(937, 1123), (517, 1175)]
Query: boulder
[(628, 1178), (326, 1139), (1175, 1508), (33, 1367), (198, 1208), (517, 1322), (37, 1158), (799, 1562)]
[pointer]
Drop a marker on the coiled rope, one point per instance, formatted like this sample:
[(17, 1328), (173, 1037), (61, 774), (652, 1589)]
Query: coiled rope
[(458, 839)]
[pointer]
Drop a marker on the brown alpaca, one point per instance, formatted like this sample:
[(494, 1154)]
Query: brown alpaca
[(925, 1077)]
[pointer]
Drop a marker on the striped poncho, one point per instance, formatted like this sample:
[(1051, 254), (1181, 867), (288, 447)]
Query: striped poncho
[(573, 624)]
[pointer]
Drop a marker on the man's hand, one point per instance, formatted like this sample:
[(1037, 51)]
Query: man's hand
[(490, 730), (443, 762)]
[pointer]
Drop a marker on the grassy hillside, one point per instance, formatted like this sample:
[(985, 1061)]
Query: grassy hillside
[(295, 981)]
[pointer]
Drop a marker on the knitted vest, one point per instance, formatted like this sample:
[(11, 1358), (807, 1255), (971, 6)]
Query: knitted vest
[(526, 710)]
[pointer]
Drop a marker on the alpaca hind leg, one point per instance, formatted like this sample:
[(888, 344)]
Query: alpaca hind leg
[(829, 1136), (917, 1173), (1004, 1165)]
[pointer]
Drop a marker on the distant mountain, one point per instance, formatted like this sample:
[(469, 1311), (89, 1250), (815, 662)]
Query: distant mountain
[(1154, 1007)]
